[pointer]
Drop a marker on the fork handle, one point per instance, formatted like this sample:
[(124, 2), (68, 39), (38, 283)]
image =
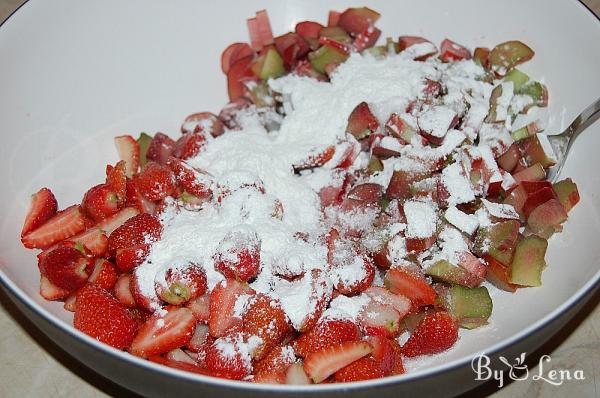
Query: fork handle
[(588, 115)]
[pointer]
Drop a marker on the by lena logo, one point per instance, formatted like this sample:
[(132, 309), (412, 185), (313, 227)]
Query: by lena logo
[(518, 370)]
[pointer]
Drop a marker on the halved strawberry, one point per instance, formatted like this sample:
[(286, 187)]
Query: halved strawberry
[(160, 148), (108, 225), (362, 122), (50, 291), (225, 359), (203, 123), (123, 291), (451, 51), (265, 318), (222, 302), (233, 53), (383, 296), (116, 179), (128, 258), (164, 332), (435, 333), (129, 151), (238, 255), (43, 206), (136, 200), (104, 274), (295, 374), (383, 353), (155, 182), (70, 302), (199, 339), (318, 299), (144, 297), (274, 365), (416, 288), (66, 267), (322, 364), (101, 316), (182, 285), (327, 332), (200, 307), (195, 182), (100, 202), (398, 367), (140, 229), (93, 239), (362, 275), (377, 319), (61, 226), (365, 368), (188, 146)]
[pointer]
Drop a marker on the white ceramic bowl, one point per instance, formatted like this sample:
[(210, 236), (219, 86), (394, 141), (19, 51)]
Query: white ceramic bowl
[(74, 74)]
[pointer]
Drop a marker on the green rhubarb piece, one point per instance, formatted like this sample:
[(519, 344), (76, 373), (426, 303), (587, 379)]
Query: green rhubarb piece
[(326, 55), (376, 51), (144, 142), (517, 77), (470, 306), (546, 219), (520, 134), (505, 56), (528, 262), (533, 152), (375, 165), (567, 193), (335, 33), (444, 271), (392, 46), (492, 114), (537, 91), (497, 240), (261, 95), (269, 65)]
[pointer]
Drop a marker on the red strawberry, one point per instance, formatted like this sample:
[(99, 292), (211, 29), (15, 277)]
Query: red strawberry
[(116, 179), (70, 302), (359, 282), (416, 288), (61, 226), (93, 239), (188, 146), (100, 202), (182, 285), (199, 339), (365, 368), (326, 333), (225, 359), (378, 319), (435, 333), (265, 318), (101, 316), (322, 364), (160, 148), (178, 355), (66, 267), (384, 296), (191, 180), (129, 151), (130, 257), (318, 298), (139, 316), (398, 367), (115, 221), (203, 122), (43, 207), (275, 363), (222, 302), (163, 333), (362, 122), (200, 307), (295, 374), (138, 230), (104, 274), (383, 353), (144, 297), (155, 182), (123, 291), (238, 255), (135, 199), (50, 291)]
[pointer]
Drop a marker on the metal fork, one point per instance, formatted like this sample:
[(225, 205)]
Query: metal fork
[(561, 143)]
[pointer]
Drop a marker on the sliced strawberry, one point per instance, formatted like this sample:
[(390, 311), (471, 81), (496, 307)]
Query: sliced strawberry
[(136, 200), (128, 258), (398, 367), (327, 332), (225, 358), (61, 226), (110, 224), (415, 288), (295, 374), (435, 333), (365, 368), (116, 179), (362, 122), (163, 333), (233, 53), (160, 148), (194, 182), (451, 51), (93, 239), (43, 207), (273, 366), (265, 318), (378, 319), (383, 296), (155, 182), (222, 302), (129, 151), (104, 274), (182, 284), (238, 255), (189, 145), (199, 339), (178, 355), (362, 273), (200, 307), (140, 229), (203, 122), (100, 202), (123, 291), (50, 291), (179, 365), (66, 267), (318, 299), (101, 316), (70, 302), (383, 353), (322, 364)]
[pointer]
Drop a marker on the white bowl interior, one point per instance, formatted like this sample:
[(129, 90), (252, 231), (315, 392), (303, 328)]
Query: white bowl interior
[(75, 74)]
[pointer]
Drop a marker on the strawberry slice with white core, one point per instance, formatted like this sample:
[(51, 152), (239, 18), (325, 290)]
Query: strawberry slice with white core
[(378, 319), (50, 291), (94, 239), (123, 291), (178, 355), (129, 151), (61, 226), (164, 332), (200, 307), (43, 207), (383, 296), (104, 274), (199, 338), (295, 375), (322, 364), (109, 224)]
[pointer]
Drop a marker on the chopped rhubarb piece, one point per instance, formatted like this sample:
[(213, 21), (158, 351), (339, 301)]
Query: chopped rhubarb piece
[(567, 193), (233, 53), (546, 219), (528, 262), (358, 20), (451, 51), (507, 55)]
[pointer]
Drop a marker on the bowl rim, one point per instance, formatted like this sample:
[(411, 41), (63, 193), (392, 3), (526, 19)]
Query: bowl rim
[(579, 296)]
